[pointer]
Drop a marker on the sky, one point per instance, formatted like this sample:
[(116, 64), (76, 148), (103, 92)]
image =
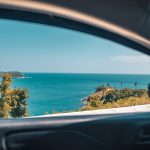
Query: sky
[(29, 47)]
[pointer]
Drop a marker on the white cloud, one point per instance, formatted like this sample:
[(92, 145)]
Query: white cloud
[(131, 59)]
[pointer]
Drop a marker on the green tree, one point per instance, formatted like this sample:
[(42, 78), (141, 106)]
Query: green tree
[(148, 92), (19, 103), (110, 97), (12, 101)]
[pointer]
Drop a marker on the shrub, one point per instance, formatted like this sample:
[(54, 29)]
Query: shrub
[(100, 88), (116, 98), (12, 101)]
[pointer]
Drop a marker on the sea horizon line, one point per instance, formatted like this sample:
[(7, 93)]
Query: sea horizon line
[(87, 73)]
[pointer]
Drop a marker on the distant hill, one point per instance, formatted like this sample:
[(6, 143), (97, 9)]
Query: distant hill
[(15, 74)]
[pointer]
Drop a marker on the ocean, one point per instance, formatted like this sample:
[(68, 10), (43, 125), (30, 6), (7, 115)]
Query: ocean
[(58, 92)]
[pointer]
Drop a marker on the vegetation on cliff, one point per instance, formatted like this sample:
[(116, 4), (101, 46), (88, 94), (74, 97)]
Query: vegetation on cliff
[(110, 97), (15, 74), (12, 101)]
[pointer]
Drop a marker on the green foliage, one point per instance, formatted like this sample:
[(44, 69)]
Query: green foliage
[(148, 92), (19, 103), (12, 101), (123, 94), (131, 101), (100, 88), (110, 97), (116, 98)]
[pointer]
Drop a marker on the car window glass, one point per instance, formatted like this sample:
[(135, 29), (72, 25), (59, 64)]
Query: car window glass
[(49, 70)]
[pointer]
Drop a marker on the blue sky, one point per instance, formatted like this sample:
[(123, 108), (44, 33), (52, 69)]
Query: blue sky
[(29, 47)]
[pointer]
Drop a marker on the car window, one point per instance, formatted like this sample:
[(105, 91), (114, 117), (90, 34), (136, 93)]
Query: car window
[(50, 70)]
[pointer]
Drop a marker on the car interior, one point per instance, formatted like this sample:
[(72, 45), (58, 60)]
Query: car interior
[(125, 22)]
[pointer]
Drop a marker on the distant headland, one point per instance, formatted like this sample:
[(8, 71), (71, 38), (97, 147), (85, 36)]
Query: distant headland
[(111, 97), (15, 74)]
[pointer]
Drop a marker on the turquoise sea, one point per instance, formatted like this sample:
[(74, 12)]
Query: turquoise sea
[(53, 92)]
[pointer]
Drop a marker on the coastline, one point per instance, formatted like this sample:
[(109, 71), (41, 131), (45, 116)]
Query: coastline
[(63, 92), (121, 110)]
